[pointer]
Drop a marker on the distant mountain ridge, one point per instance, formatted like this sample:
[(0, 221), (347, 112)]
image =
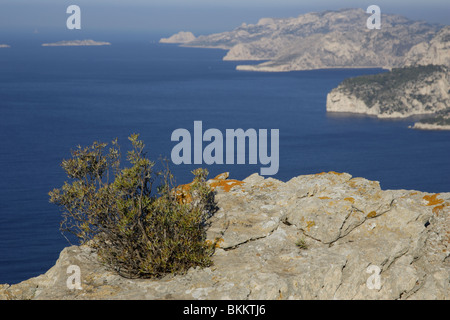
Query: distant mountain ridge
[(330, 39)]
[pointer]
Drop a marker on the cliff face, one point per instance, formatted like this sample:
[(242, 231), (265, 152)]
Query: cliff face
[(397, 94), (439, 121), (436, 52), (422, 87), (320, 40), (324, 236), (180, 37)]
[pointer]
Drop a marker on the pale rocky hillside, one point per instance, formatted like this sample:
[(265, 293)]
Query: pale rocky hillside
[(180, 37), (317, 40), (436, 51), (400, 93), (421, 88)]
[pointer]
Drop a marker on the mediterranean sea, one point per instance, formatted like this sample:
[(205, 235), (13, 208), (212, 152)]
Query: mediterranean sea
[(55, 98)]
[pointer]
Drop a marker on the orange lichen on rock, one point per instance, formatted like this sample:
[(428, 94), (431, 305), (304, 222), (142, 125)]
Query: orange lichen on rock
[(221, 181), (310, 224), (216, 243), (183, 192), (226, 185), (432, 199), (324, 198), (440, 207), (350, 199), (372, 214)]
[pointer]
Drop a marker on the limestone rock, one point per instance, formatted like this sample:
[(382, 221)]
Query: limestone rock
[(180, 37), (346, 225), (439, 121), (421, 88), (436, 51), (400, 93), (329, 39)]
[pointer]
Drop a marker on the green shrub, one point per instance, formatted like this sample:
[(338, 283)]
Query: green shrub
[(139, 229)]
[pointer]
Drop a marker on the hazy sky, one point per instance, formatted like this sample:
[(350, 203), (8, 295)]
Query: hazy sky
[(198, 16)]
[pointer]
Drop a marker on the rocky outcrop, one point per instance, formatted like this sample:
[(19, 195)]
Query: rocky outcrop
[(400, 93), (430, 126), (423, 87), (180, 37), (323, 236), (436, 52), (330, 39), (76, 43), (4, 46), (439, 121)]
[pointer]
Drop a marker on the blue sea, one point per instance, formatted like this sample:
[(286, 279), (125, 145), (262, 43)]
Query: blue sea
[(55, 98)]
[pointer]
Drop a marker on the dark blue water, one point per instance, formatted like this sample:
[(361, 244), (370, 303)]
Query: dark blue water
[(52, 99)]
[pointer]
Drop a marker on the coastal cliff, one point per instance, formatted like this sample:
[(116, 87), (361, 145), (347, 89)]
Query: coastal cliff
[(340, 39), (314, 237), (329, 39), (180, 37), (401, 93), (436, 51), (422, 87)]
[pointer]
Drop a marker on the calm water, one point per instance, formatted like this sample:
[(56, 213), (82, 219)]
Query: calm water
[(52, 99)]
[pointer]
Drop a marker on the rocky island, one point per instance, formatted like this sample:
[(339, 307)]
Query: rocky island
[(76, 43), (4, 46), (320, 236)]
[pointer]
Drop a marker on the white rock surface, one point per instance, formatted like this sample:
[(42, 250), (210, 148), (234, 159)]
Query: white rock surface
[(329, 39), (180, 37), (419, 95), (436, 52), (347, 224)]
